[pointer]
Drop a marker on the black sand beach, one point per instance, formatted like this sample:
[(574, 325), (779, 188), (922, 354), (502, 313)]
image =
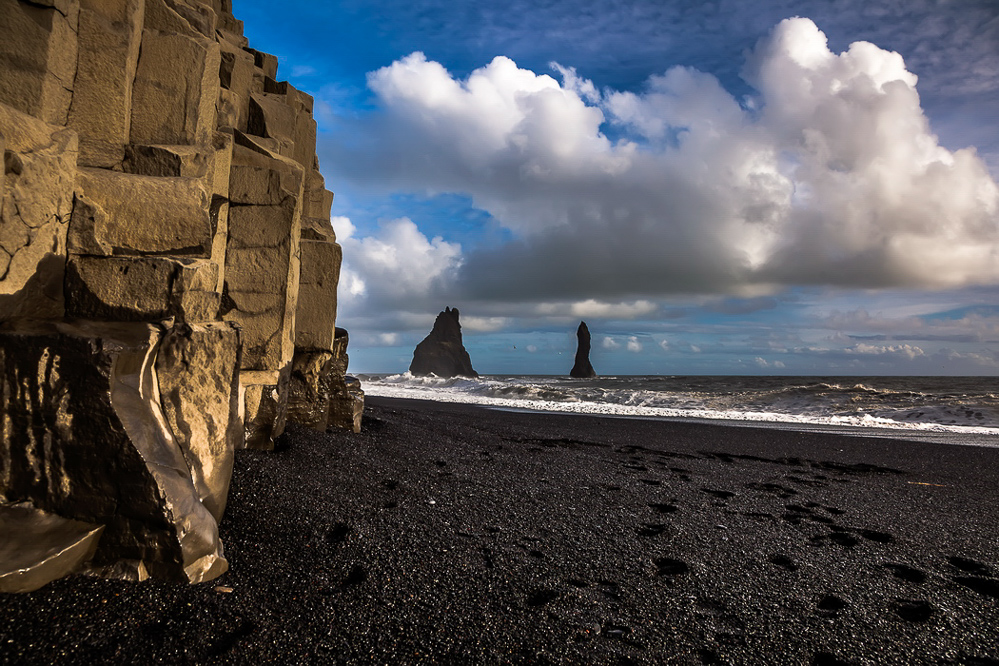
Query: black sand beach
[(454, 534)]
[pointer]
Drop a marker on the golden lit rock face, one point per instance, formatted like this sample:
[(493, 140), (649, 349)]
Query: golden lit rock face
[(85, 437), (146, 215), (141, 288), (168, 280), (105, 75), (36, 202), (197, 367), (39, 56), (315, 321)]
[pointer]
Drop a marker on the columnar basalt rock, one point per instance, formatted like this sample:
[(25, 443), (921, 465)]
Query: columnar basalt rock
[(168, 278), (102, 90), (39, 56)]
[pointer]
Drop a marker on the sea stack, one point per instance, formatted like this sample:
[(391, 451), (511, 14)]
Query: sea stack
[(442, 353), (582, 368)]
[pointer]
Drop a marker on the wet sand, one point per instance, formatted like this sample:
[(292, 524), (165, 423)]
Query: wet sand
[(456, 534)]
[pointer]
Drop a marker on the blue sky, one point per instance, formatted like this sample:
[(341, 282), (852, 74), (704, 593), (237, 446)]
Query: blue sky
[(776, 187)]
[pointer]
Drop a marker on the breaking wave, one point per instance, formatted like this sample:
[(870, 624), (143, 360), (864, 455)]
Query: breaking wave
[(967, 405)]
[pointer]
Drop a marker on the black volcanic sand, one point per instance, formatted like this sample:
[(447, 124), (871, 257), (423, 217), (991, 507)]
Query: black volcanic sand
[(455, 534)]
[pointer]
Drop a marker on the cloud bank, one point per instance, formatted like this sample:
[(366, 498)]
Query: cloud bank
[(828, 175)]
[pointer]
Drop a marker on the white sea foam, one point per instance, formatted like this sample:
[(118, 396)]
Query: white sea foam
[(897, 405)]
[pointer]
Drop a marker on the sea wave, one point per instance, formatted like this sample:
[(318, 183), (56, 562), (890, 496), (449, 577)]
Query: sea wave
[(945, 407)]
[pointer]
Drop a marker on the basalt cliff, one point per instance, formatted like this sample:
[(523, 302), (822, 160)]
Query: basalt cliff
[(168, 278)]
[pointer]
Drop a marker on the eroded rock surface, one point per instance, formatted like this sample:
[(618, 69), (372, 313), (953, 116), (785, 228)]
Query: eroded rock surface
[(197, 368), (442, 353), (84, 436), (320, 394)]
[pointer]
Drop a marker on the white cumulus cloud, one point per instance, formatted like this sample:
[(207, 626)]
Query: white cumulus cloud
[(399, 265), (831, 176), (388, 339), (908, 351), (484, 324)]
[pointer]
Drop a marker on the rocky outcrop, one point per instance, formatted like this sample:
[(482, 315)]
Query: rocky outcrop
[(442, 353), (86, 437), (168, 278), (321, 396), (582, 367)]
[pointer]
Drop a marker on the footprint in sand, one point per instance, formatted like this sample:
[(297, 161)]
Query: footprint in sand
[(720, 494), (651, 529), (794, 514), (844, 539), (668, 566), (969, 565), (913, 610), (826, 520), (783, 561), (774, 488), (906, 573), (874, 535), (356, 576), (338, 533), (542, 596), (828, 659), (229, 640), (804, 482), (988, 587), (831, 604)]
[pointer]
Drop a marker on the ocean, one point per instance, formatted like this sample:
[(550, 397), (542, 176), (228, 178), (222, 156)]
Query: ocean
[(951, 410)]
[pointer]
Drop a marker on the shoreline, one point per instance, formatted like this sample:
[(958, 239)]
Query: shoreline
[(449, 533), (941, 413), (947, 437)]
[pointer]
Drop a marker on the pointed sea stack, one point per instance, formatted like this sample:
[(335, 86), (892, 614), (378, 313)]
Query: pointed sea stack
[(441, 353), (582, 369)]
